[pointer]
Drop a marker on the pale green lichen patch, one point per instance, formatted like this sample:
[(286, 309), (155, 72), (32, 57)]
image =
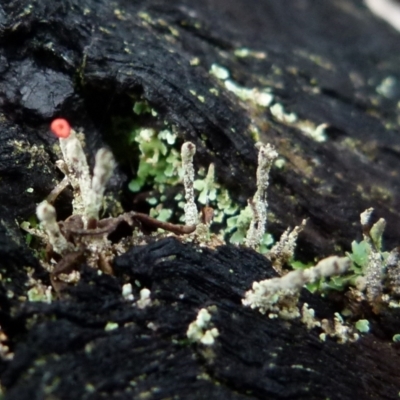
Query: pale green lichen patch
[(317, 133), (110, 326), (219, 72), (263, 97), (244, 52), (389, 87), (278, 111), (38, 155), (260, 97), (37, 293), (195, 61), (308, 128), (396, 338)]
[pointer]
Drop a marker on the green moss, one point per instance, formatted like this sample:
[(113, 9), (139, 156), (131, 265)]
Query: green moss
[(159, 162)]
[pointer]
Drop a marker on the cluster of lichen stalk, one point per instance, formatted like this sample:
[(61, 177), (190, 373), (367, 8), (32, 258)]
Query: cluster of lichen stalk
[(277, 297)]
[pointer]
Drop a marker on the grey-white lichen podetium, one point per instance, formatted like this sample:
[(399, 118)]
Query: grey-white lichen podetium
[(258, 204), (188, 150), (283, 251), (202, 235), (279, 296)]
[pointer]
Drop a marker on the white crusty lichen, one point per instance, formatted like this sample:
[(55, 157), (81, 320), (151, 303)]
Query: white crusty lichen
[(127, 292), (38, 290), (188, 150), (201, 331), (308, 317), (259, 97), (339, 330), (219, 72), (262, 98), (278, 111), (279, 296), (336, 328), (259, 204), (145, 299), (316, 133)]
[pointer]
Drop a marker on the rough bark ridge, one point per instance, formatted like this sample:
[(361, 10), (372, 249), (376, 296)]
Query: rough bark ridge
[(328, 62)]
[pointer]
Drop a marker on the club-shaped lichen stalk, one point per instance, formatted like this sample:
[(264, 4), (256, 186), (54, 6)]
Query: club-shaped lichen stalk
[(259, 204), (188, 150)]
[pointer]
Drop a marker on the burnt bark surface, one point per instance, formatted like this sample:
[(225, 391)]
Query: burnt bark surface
[(324, 61)]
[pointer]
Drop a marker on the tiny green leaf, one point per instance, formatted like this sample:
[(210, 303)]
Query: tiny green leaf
[(360, 252), (135, 185), (362, 325), (396, 338)]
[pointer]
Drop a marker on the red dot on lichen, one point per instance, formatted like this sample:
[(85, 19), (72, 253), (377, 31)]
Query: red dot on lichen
[(61, 128)]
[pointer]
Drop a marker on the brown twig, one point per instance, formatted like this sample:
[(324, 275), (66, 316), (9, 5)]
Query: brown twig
[(167, 226), (108, 225)]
